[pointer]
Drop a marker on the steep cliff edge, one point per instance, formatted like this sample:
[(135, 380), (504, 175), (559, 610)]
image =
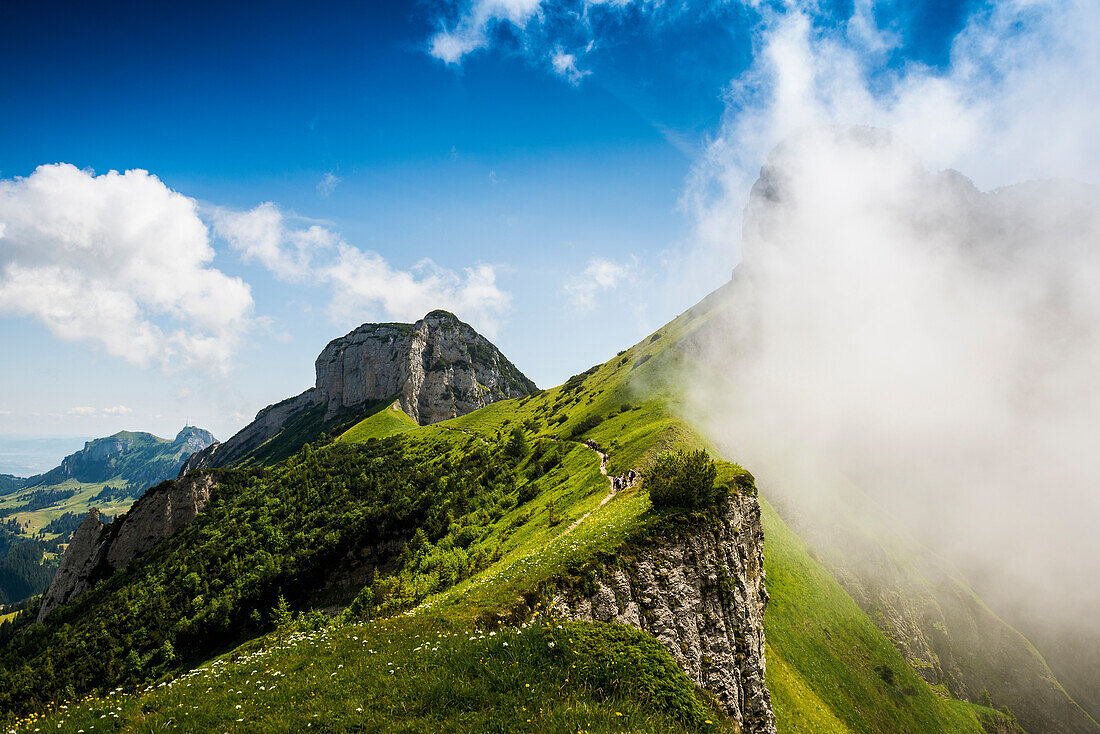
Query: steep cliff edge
[(435, 369), (701, 593), (97, 550)]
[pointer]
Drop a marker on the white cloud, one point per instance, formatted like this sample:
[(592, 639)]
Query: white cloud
[(599, 275), (896, 326), (263, 235), (328, 183), (565, 66), (1015, 103), (86, 411), (366, 287), (472, 29), (120, 260)]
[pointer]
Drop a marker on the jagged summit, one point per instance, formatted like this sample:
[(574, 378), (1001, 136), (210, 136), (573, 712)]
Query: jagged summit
[(434, 369), (195, 436)]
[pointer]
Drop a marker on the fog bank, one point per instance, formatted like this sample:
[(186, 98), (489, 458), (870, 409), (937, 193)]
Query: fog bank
[(935, 345)]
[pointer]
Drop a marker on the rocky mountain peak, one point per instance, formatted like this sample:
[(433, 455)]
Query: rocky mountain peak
[(434, 369), (194, 438), (134, 459), (437, 368)]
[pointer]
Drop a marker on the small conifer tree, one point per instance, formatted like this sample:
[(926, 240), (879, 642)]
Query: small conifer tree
[(684, 479), (281, 616), (516, 446)]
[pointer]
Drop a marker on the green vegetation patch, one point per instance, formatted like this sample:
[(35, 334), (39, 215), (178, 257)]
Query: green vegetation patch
[(418, 675), (685, 479), (827, 659), (383, 424)]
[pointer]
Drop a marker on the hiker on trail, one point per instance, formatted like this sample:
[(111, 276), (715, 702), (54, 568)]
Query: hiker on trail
[(615, 484), (630, 476)]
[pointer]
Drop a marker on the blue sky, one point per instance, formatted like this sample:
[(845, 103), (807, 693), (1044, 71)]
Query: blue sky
[(573, 171)]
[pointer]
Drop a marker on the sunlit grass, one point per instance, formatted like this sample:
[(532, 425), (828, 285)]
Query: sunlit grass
[(416, 675)]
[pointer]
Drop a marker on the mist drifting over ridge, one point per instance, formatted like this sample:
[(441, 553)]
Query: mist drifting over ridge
[(916, 309), (902, 357), (934, 345)]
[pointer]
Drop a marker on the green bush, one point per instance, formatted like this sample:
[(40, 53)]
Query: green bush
[(685, 479), (516, 446), (587, 424)]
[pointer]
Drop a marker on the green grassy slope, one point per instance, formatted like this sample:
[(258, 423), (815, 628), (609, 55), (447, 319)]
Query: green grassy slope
[(925, 605), (383, 424), (477, 533), (308, 425), (829, 667), (418, 675)]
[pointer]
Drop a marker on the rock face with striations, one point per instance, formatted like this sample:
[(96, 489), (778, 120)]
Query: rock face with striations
[(97, 550), (435, 369), (701, 594)]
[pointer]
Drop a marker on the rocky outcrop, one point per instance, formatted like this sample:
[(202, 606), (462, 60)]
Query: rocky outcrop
[(435, 369), (97, 550), (157, 515), (701, 594), (82, 557)]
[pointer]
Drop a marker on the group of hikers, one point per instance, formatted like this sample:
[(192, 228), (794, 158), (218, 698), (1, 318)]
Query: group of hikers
[(623, 480)]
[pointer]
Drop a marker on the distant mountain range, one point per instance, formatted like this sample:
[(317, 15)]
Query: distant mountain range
[(39, 513)]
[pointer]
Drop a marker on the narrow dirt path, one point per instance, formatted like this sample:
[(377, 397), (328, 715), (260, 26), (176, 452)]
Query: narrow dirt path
[(576, 523), (603, 470), (604, 501)]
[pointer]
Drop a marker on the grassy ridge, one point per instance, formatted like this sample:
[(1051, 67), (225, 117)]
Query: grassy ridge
[(509, 527), (383, 424)]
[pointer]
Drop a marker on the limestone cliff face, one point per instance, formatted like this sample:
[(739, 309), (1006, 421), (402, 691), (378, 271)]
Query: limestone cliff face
[(437, 368), (97, 550), (702, 595), (78, 565)]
